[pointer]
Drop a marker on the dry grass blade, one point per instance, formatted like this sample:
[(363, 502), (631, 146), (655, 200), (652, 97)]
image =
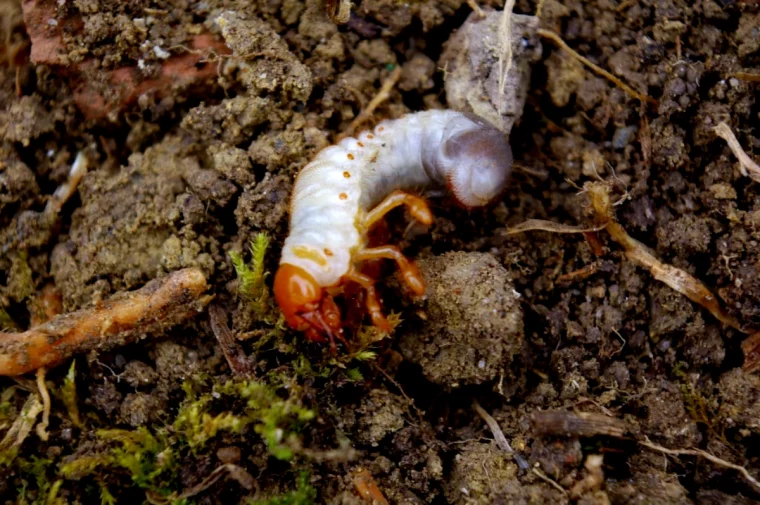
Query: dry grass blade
[(498, 435), (505, 40), (23, 424), (747, 164), (700, 453), (550, 226), (676, 278), (596, 68), (640, 254)]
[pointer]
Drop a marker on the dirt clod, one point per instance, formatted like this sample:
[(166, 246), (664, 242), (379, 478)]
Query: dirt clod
[(474, 321), (472, 62)]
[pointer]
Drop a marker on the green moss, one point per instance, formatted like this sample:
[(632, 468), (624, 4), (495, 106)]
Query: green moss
[(68, 395), (251, 277), (146, 458), (106, 498), (7, 411), (37, 489), (273, 417), (6, 321), (196, 426), (304, 494)]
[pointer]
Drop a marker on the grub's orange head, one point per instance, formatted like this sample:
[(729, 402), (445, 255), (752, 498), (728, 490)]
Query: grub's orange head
[(296, 292)]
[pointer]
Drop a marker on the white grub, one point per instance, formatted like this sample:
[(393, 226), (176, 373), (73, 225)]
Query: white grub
[(438, 148)]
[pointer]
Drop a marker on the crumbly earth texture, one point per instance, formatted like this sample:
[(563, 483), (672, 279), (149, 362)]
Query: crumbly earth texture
[(472, 325), (196, 116)]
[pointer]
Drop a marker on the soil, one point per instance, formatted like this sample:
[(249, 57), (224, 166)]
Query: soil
[(193, 154)]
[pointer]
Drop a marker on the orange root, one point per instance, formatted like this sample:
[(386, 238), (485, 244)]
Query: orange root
[(124, 318)]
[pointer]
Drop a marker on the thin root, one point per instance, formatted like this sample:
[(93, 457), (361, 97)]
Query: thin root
[(596, 68), (476, 8), (124, 318), (747, 164), (45, 395), (235, 472), (553, 483), (698, 452), (747, 76), (367, 488), (67, 189), (382, 95)]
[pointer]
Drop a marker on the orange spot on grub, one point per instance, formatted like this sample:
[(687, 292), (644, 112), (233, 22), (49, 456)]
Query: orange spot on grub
[(350, 156), (360, 144), (307, 253), (346, 175), (327, 252), (380, 128), (343, 196), (370, 136)]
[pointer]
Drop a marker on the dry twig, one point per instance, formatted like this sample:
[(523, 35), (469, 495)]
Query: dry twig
[(700, 453), (160, 304), (596, 68), (747, 165), (576, 424)]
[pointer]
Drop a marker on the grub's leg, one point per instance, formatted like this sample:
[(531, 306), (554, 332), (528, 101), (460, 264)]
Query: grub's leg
[(373, 304), (409, 270), (418, 208)]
